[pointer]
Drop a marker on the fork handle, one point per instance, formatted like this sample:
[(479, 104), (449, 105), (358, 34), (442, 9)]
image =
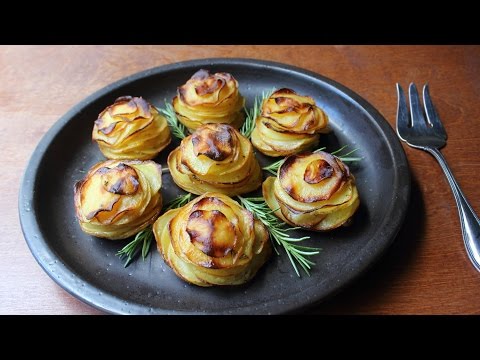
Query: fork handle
[(468, 219)]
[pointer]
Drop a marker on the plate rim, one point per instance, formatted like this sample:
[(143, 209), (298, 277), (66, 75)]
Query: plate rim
[(61, 274)]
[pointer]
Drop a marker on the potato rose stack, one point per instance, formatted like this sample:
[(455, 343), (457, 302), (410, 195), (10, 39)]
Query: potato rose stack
[(315, 191), (131, 128), (207, 99), (289, 124), (212, 241), (118, 198), (216, 157)]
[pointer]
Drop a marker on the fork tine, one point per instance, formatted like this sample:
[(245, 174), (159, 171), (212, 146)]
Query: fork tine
[(432, 116), (403, 119), (416, 110)]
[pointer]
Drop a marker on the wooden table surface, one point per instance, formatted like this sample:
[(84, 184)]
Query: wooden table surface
[(426, 271)]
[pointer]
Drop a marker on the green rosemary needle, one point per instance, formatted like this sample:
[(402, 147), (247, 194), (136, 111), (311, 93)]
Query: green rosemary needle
[(142, 242), (179, 201), (297, 254), (345, 156), (178, 129), (273, 167), (253, 113)]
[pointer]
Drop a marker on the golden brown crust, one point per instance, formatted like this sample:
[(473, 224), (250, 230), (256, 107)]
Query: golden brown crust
[(131, 128), (209, 98), (212, 241), (217, 142), (303, 165), (289, 123), (315, 191), (216, 157), (118, 198)]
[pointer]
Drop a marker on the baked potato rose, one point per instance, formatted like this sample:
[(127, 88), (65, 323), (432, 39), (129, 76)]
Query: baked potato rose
[(289, 124), (315, 191), (212, 241), (131, 128), (216, 157), (209, 98), (118, 198)]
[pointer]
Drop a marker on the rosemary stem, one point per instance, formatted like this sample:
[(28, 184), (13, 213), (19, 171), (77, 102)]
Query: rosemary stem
[(279, 234)]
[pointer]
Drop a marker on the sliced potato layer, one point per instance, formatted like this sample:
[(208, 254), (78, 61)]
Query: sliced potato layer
[(212, 241), (315, 191), (131, 128), (289, 124), (209, 99), (216, 157), (118, 198)]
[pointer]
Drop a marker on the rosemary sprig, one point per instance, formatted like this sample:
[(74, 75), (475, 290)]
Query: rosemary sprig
[(179, 201), (296, 253), (178, 129), (273, 167), (253, 113), (345, 156), (142, 242), (333, 152), (143, 239)]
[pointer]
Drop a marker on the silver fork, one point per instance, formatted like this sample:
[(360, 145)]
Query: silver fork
[(428, 134)]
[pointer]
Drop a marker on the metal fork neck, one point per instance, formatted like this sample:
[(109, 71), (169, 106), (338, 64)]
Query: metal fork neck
[(468, 219)]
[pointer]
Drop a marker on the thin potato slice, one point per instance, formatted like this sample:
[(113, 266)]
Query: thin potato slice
[(131, 128), (118, 198), (289, 124), (315, 191), (212, 241), (216, 157), (209, 99)]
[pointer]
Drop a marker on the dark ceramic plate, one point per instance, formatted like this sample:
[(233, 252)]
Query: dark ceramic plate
[(87, 267)]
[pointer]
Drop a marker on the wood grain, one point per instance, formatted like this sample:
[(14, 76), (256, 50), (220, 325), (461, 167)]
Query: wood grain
[(426, 271)]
